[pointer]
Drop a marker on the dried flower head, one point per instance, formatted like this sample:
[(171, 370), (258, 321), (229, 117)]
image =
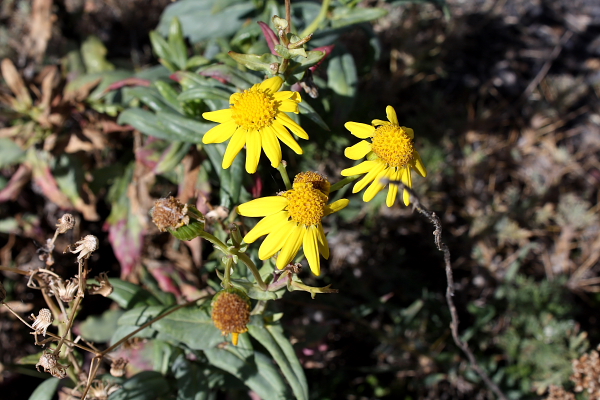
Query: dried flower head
[(85, 247), (558, 393), (231, 312), (169, 213), (117, 367), (65, 223), (586, 374), (104, 288), (50, 364), (100, 390), (65, 290), (42, 321)]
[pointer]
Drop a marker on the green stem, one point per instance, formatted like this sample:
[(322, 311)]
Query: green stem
[(315, 24), (219, 244), (344, 182), (250, 264), (226, 283), (284, 176)]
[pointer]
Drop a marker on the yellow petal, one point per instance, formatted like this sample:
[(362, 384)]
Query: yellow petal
[(358, 151), (361, 168), (375, 187), (419, 166), (368, 178), (234, 338), (409, 132), (407, 180), (284, 135), (291, 246), (323, 245), (263, 206), (391, 115), (336, 206), (289, 106), (220, 133), (361, 131), (271, 146), (283, 95), (275, 241), (378, 122), (234, 147), (268, 224), (310, 245), (271, 85), (219, 116), (253, 147), (393, 189), (291, 125)]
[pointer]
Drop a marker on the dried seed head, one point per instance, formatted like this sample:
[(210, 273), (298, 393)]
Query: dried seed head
[(65, 223), (586, 374), (85, 247), (117, 368), (104, 288), (65, 290), (50, 364), (231, 312), (42, 321), (169, 213), (102, 390)]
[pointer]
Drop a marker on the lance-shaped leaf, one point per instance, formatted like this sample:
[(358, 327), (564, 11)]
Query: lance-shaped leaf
[(270, 36), (255, 62)]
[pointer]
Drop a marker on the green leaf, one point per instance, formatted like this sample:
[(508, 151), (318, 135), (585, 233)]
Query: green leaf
[(10, 153), (189, 231), (169, 95), (147, 385), (255, 62), (150, 96), (199, 22), (128, 295), (343, 80), (94, 53), (172, 157), (144, 121), (191, 383), (343, 16), (253, 368), (177, 44), (301, 64), (46, 390), (231, 178), (182, 128), (162, 50), (241, 79), (286, 359), (204, 92), (100, 328), (307, 110)]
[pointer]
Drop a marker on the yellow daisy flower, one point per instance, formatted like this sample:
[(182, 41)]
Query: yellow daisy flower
[(256, 118), (293, 219), (391, 154)]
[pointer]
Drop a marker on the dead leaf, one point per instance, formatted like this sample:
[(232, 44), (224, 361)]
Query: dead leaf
[(15, 83), (16, 183), (40, 29)]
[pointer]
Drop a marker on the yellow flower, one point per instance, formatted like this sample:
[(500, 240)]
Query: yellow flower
[(391, 154), (293, 219), (256, 118)]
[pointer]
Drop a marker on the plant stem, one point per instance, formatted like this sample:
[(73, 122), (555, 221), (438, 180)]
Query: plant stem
[(218, 243), (315, 24), (288, 15), (339, 185), (284, 176), (250, 264)]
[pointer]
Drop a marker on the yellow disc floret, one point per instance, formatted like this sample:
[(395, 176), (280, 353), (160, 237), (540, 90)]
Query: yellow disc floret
[(317, 180), (254, 109), (393, 146), (306, 204)]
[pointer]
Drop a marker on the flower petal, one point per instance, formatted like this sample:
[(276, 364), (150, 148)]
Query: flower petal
[(271, 85), (219, 116), (407, 180), (289, 106), (284, 95), (409, 132), (271, 146), (310, 245), (376, 186), (284, 135), (419, 166), (291, 125), (336, 206), (270, 223), (361, 168), (234, 147), (396, 175), (368, 178), (358, 151), (275, 240), (361, 131), (378, 122), (291, 246), (220, 133), (253, 147), (323, 245), (264, 206), (391, 115)]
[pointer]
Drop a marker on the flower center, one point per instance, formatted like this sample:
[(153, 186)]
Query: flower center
[(254, 109), (392, 145), (317, 180), (306, 205)]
